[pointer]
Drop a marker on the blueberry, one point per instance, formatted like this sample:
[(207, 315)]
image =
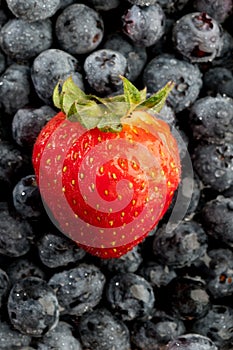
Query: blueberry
[(181, 246), (4, 287), (23, 267), (187, 298), (218, 80), (213, 163), (143, 2), (27, 124), (26, 198), (59, 338), (102, 69), (197, 36), (153, 334), (136, 56), (13, 164), (2, 62), (168, 115), (224, 58), (144, 25), (50, 66), (33, 307), (156, 274), (56, 250), (79, 29), (15, 88), (187, 78), (217, 9), (100, 330), (79, 289), (217, 324), (21, 40), (126, 263), (172, 6), (220, 281), (191, 341), (103, 5), (211, 119), (217, 219), (12, 338), (33, 10), (130, 296), (15, 235)]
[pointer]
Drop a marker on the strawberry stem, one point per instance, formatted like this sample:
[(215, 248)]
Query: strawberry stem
[(105, 113)]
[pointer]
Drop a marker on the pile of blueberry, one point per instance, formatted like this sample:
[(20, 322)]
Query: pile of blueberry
[(175, 290)]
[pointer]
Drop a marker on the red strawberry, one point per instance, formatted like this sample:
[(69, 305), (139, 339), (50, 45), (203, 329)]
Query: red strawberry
[(107, 168)]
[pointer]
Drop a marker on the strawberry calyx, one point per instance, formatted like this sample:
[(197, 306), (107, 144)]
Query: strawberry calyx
[(106, 113)]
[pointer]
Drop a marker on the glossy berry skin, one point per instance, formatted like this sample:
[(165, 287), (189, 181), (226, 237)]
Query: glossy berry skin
[(97, 184), (197, 36), (144, 25)]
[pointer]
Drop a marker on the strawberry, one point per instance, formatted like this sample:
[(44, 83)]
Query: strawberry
[(107, 168)]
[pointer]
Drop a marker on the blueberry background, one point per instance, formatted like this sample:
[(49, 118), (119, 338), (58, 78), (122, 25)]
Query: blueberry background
[(174, 290)]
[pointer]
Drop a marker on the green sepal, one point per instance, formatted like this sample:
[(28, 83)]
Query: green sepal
[(105, 113), (157, 100)]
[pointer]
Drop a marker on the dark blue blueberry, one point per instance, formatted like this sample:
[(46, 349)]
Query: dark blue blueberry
[(172, 6), (168, 115), (157, 274), (79, 289), (187, 298), (50, 66), (103, 5), (153, 334), (197, 36), (3, 16), (13, 164), (191, 341), (217, 324), (217, 219), (33, 10), (23, 267), (217, 9), (15, 88), (144, 25), (56, 250), (15, 235), (218, 80), (220, 279), (213, 164), (211, 119), (102, 69), (21, 40), (101, 330), (79, 29), (136, 56), (187, 78), (142, 2), (224, 58), (2, 62), (130, 296), (181, 246), (126, 263), (33, 307), (27, 199), (59, 338), (12, 339), (4, 287), (27, 124)]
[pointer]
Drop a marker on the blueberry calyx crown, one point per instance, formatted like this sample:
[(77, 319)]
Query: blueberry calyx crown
[(106, 113)]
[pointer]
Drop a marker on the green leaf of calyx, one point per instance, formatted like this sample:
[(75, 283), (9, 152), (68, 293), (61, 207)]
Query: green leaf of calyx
[(157, 100), (131, 93)]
